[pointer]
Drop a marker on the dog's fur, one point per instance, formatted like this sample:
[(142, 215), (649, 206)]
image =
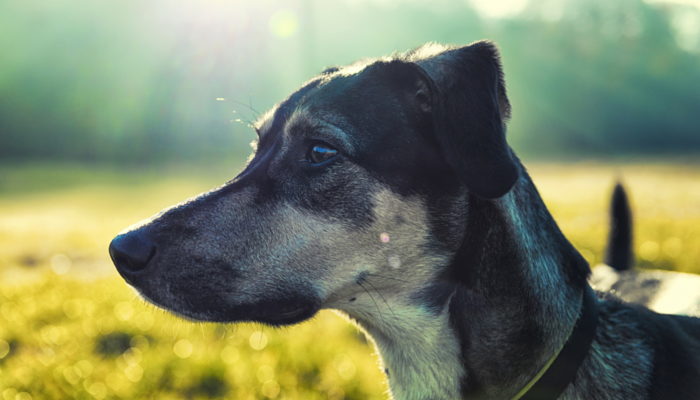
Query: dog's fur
[(662, 291), (424, 229)]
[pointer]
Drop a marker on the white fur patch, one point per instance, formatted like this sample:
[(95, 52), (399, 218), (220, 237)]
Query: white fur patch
[(419, 349)]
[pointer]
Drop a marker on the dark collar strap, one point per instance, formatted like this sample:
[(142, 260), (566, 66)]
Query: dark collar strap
[(563, 369)]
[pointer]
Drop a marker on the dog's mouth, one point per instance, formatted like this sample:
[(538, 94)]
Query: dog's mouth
[(269, 313), (286, 318), (288, 314), (181, 313)]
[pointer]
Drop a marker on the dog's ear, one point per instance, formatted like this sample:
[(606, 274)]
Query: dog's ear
[(467, 98)]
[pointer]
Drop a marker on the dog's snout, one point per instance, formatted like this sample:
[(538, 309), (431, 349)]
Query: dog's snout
[(131, 252)]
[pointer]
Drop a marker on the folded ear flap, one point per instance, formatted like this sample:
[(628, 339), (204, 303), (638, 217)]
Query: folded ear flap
[(469, 109)]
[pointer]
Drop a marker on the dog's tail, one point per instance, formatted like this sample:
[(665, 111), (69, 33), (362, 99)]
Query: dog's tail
[(619, 253)]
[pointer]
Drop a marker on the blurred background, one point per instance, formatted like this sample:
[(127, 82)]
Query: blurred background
[(138, 81), (111, 110)]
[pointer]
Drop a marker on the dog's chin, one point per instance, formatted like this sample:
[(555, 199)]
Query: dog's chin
[(278, 315)]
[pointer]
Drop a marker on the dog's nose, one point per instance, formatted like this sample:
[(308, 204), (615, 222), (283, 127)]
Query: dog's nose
[(131, 252)]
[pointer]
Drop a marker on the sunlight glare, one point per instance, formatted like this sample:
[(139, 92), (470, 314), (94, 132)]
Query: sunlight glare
[(284, 23), (498, 8), (686, 27)]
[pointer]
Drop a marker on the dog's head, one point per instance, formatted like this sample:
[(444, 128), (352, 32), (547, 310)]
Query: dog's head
[(360, 179)]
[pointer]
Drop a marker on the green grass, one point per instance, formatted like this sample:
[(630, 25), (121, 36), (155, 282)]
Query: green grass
[(71, 328)]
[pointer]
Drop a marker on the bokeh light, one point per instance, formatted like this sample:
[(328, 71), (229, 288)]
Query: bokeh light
[(384, 237), (284, 23), (258, 340)]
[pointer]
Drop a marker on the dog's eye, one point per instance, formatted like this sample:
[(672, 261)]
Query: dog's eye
[(321, 153)]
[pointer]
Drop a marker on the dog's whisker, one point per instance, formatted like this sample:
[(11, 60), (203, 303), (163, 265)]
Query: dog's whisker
[(380, 295), (375, 303), (254, 111), (242, 119), (176, 331), (250, 102), (235, 331)]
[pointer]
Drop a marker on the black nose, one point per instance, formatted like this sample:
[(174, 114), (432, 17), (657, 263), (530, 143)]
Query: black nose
[(131, 252)]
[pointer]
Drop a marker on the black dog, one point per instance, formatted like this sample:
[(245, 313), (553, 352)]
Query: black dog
[(393, 176)]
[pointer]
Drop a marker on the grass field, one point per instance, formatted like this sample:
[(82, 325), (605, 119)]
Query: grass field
[(71, 328)]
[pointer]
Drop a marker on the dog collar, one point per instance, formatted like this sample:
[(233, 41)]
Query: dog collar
[(561, 369)]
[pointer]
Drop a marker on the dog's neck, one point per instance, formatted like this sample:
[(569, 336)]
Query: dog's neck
[(420, 352), (521, 286), (515, 289)]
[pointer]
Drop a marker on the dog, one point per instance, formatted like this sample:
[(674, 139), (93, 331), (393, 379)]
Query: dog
[(386, 190), (662, 291)]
